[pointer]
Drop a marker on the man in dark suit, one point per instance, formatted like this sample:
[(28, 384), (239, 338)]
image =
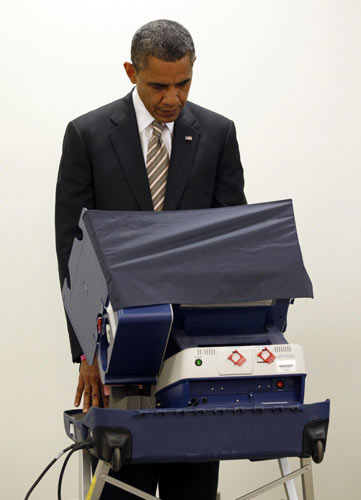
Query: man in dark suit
[(151, 150)]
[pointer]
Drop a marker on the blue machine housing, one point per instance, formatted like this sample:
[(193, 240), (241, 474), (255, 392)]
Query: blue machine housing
[(233, 423), (205, 326)]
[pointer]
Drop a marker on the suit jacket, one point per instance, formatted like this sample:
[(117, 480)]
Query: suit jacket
[(102, 167)]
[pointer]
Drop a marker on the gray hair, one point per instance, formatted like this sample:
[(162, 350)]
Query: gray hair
[(164, 39)]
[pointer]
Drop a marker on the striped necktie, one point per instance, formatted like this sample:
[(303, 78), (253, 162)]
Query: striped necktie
[(157, 166)]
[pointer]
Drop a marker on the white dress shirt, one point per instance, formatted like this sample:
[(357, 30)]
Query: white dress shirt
[(144, 120)]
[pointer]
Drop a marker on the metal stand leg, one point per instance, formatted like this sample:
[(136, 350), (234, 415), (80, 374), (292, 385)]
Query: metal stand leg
[(289, 486), (130, 489), (307, 480), (85, 473), (97, 484), (305, 468), (101, 477)]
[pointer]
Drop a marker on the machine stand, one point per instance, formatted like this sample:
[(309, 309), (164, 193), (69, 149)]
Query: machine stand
[(92, 490)]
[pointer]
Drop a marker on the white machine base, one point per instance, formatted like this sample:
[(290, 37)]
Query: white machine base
[(234, 361)]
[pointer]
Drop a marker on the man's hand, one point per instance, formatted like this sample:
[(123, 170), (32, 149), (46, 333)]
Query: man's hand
[(90, 386)]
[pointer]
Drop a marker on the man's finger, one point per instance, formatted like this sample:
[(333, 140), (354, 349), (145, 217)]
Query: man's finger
[(106, 394), (87, 396), (78, 393), (95, 396)]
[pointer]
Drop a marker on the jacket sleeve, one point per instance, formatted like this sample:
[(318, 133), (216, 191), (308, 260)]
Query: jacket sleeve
[(229, 185), (74, 190)]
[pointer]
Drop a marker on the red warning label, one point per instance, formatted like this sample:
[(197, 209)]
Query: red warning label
[(237, 358), (266, 355)]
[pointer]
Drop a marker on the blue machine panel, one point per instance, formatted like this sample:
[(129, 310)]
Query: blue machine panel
[(231, 392), (135, 354), (198, 434)]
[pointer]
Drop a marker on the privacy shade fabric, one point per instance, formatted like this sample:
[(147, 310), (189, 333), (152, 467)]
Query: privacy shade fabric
[(221, 255)]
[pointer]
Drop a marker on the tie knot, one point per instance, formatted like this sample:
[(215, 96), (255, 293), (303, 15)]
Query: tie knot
[(157, 127)]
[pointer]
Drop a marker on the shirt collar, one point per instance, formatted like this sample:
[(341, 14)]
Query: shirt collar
[(144, 118)]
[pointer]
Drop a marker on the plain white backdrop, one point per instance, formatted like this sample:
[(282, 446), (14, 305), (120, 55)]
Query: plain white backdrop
[(288, 73)]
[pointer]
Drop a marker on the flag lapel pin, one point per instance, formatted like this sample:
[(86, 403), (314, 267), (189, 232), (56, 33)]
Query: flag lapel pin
[(188, 138)]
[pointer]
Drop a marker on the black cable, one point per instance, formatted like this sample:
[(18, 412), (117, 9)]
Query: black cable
[(47, 468), (72, 448), (79, 446)]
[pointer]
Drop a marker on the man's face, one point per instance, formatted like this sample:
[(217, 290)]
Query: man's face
[(162, 86)]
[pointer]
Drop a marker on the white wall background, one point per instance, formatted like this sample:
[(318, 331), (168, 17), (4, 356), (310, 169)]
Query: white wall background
[(288, 73)]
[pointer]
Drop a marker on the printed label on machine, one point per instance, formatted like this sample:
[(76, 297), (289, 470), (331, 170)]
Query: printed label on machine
[(286, 365)]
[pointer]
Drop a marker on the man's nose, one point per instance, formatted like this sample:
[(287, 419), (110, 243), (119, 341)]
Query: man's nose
[(171, 97)]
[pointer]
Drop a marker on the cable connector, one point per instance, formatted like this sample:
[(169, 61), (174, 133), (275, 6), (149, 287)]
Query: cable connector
[(84, 445)]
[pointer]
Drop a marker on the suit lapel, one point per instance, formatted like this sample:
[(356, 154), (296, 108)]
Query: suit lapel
[(184, 147), (126, 142)]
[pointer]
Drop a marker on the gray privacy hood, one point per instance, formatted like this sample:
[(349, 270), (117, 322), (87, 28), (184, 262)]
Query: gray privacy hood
[(221, 255)]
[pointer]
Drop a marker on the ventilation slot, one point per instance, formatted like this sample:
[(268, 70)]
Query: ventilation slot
[(283, 348), (206, 352)]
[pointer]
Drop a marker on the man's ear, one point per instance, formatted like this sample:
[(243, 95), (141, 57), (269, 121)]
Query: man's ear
[(131, 72)]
